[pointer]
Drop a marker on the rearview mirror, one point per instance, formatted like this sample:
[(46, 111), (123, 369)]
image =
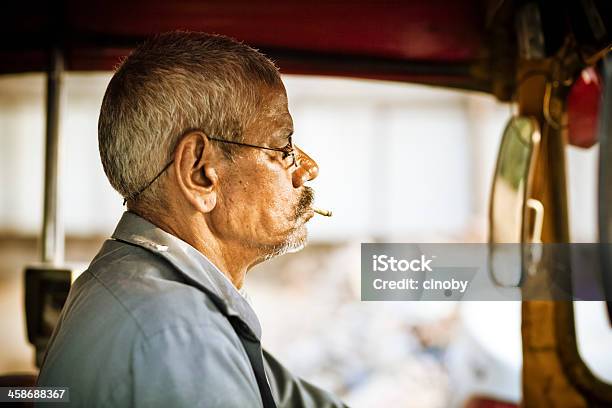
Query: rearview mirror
[(510, 200)]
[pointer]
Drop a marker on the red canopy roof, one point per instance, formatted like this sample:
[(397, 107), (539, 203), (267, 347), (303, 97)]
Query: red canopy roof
[(433, 41)]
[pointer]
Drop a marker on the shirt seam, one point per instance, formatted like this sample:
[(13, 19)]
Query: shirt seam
[(147, 339), (97, 259)]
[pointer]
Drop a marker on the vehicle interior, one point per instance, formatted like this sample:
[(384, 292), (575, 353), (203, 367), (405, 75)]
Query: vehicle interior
[(549, 62)]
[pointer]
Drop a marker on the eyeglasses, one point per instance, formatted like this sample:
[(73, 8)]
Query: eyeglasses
[(288, 151)]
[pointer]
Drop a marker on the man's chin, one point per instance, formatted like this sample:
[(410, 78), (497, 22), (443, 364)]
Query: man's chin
[(296, 248), (294, 243)]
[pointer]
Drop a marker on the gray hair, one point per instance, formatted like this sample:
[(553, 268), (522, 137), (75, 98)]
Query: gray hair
[(172, 83)]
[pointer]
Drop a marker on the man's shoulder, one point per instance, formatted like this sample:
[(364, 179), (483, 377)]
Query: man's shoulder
[(143, 288), (126, 297), (125, 311)]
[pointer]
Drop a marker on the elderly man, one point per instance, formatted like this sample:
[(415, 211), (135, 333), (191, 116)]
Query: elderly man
[(195, 134)]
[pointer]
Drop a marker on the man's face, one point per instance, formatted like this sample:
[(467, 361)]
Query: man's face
[(263, 202)]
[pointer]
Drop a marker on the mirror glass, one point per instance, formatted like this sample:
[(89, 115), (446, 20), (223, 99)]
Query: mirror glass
[(514, 168)]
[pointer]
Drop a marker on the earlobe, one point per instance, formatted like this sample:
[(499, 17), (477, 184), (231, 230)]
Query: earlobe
[(207, 203)]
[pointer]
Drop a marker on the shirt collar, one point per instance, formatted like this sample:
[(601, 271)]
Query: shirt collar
[(191, 263)]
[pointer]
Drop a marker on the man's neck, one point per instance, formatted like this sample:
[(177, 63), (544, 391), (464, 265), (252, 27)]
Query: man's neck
[(233, 262)]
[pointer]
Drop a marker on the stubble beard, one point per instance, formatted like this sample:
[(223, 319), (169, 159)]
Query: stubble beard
[(298, 238)]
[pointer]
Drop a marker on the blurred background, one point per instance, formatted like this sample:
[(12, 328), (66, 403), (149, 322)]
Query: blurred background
[(399, 163)]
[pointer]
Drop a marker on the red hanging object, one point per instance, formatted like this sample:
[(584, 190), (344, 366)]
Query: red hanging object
[(583, 108)]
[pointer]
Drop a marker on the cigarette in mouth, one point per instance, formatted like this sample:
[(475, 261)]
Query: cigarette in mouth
[(324, 213)]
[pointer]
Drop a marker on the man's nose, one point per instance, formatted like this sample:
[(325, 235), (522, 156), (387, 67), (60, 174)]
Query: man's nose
[(307, 169)]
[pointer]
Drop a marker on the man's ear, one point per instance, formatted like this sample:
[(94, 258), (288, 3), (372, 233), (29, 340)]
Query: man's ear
[(195, 163)]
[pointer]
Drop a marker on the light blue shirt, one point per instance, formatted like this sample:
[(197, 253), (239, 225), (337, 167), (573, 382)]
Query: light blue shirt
[(153, 323)]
